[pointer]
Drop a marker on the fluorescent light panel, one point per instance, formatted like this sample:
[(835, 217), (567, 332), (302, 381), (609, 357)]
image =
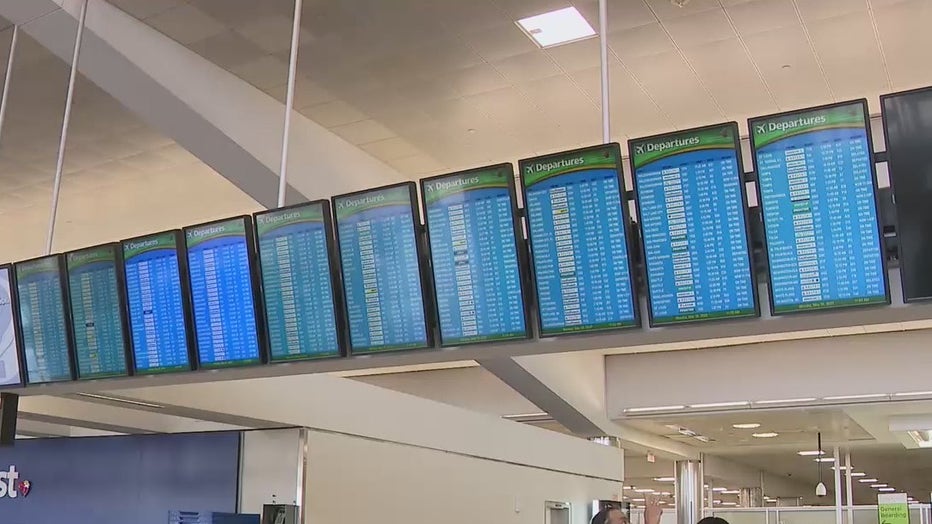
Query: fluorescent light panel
[(747, 425), (665, 479), (858, 474), (654, 408), (720, 405), (857, 397), (768, 434), (785, 401), (810, 453), (867, 481), (556, 27)]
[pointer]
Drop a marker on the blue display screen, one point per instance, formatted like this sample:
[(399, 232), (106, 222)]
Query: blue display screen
[(96, 312), (691, 207), (42, 316), (222, 294), (156, 304), (471, 225), (9, 355), (578, 234), (297, 283), (817, 195), (381, 273)]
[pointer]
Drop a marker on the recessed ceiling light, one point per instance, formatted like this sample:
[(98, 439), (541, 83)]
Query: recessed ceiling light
[(866, 481), (643, 490), (729, 503), (748, 425), (887, 489), (637, 500), (664, 479), (786, 401), (875, 486), (556, 27), (858, 474), (630, 487), (719, 490), (914, 394), (810, 453), (768, 434), (731, 492), (824, 459), (841, 468)]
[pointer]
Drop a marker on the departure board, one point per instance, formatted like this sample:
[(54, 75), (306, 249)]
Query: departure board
[(97, 312), (9, 354), (818, 198), (577, 222), (693, 215), (156, 303), (43, 320), (297, 281), (474, 256), (381, 271), (220, 273)]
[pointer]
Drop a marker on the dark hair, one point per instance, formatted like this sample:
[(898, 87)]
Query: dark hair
[(713, 520), (602, 516)]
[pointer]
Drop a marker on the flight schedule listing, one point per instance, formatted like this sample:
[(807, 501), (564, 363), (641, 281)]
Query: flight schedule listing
[(578, 236), (156, 303), (296, 281), (42, 317), (381, 275), (690, 195), (471, 226), (96, 316), (222, 294), (820, 215)]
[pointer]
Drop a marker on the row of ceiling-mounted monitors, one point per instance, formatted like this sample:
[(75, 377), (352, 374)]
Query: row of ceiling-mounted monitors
[(354, 276)]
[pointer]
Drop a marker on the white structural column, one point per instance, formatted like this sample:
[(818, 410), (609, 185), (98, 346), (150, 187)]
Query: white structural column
[(66, 120), (689, 480)]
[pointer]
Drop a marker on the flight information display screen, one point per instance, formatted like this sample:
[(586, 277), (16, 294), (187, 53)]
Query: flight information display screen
[(9, 354), (693, 215), (381, 272), (220, 272), (156, 300), (97, 312), (297, 281), (43, 320), (473, 249), (818, 198), (577, 218)]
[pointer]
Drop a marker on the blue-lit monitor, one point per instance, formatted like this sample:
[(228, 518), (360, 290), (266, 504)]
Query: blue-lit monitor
[(222, 284), (296, 267), (578, 227), (380, 259), (155, 290), (43, 319), (692, 210), (818, 198), (97, 319), (474, 255), (10, 374)]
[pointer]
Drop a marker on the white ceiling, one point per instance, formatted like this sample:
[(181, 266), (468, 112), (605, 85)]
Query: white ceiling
[(407, 80)]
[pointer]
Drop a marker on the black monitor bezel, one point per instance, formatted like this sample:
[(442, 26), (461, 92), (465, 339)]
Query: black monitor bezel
[(17, 340), (251, 257), (744, 207), (521, 261), (615, 148), (181, 255), (336, 283), (425, 283), (872, 165)]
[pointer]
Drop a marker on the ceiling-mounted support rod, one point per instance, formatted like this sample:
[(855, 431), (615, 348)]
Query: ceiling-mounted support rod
[(9, 75), (289, 101), (848, 490), (66, 120), (603, 50), (838, 503)]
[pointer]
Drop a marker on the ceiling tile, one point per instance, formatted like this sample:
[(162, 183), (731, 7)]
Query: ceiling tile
[(702, 27), (468, 17), (519, 9), (272, 33), (500, 42), (264, 72), (675, 88), (577, 55), (640, 41), (142, 9), (331, 114), (757, 16), (186, 24), (626, 15), (665, 9), (854, 66), (363, 132), (725, 69), (416, 165), (227, 49), (527, 66), (819, 9), (477, 79), (391, 148)]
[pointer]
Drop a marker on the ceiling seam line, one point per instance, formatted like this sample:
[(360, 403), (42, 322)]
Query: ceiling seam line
[(883, 54), (812, 48), (747, 53)]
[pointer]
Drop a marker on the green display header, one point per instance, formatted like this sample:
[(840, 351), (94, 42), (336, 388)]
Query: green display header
[(767, 131), (39, 265), (393, 196), (201, 234), (644, 152), (139, 246), (539, 169), (84, 257), (440, 188), (271, 221)]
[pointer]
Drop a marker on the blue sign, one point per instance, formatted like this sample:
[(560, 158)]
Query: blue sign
[(381, 270), (818, 197), (692, 212), (297, 282), (42, 316), (156, 304), (97, 312), (219, 266), (477, 276), (579, 241)]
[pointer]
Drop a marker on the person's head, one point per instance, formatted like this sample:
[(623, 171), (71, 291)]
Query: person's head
[(610, 515), (713, 520)]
